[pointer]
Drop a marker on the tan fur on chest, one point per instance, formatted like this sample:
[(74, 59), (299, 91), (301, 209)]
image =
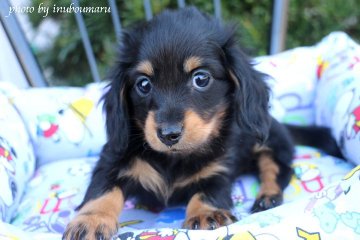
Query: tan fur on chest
[(151, 180)]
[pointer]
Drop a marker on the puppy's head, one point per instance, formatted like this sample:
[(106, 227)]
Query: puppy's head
[(180, 79)]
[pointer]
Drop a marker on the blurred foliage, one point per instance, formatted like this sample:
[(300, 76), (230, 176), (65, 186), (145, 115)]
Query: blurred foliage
[(308, 22)]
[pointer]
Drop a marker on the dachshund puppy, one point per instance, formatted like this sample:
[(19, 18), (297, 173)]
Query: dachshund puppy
[(185, 115)]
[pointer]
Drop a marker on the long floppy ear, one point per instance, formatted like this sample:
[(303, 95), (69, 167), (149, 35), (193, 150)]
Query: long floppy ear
[(116, 110), (251, 96), (116, 100)]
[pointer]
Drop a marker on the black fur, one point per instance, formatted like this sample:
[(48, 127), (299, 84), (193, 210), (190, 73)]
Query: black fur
[(315, 136), (166, 42)]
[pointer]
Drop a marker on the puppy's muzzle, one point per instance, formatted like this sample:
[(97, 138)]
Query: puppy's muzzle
[(170, 134)]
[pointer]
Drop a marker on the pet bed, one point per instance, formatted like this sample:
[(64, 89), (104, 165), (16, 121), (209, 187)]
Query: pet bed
[(50, 139)]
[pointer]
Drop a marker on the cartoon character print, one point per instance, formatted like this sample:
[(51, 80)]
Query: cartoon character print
[(329, 194), (56, 198), (54, 212), (72, 120), (327, 216), (309, 176), (55, 223), (353, 124), (346, 119), (48, 127), (174, 234), (166, 234), (163, 234), (322, 65), (307, 235), (293, 102), (331, 214), (69, 122), (8, 188), (58, 220), (352, 220)]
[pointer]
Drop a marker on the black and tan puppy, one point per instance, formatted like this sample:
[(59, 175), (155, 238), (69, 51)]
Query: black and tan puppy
[(186, 114)]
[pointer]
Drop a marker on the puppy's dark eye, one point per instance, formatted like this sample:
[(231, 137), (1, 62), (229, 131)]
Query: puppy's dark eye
[(143, 86), (201, 80)]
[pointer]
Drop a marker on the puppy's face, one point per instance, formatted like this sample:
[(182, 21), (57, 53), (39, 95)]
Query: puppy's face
[(180, 100), (179, 89), (177, 77)]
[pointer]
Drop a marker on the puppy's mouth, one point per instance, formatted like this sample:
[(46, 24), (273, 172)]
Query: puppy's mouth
[(174, 150), (191, 135)]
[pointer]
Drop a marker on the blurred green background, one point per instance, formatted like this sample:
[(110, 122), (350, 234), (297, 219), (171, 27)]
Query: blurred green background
[(308, 21)]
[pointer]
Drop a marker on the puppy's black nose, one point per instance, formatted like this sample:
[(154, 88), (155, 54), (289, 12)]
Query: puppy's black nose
[(170, 134)]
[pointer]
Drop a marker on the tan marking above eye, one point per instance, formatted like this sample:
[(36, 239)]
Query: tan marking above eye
[(145, 67), (192, 63)]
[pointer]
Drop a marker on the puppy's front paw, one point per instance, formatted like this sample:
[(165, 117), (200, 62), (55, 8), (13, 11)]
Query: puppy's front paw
[(265, 202), (209, 220), (91, 226)]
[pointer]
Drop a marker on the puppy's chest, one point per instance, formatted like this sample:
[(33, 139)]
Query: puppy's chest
[(164, 181)]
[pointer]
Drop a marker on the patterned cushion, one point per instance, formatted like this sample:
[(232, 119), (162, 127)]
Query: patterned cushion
[(292, 78), (333, 213), (317, 84), (17, 161), (58, 187), (64, 122), (52, 194), (338, 92)]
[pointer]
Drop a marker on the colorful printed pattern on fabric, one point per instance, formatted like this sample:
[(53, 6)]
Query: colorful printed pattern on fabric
[(64, 122), (58, 187), (292, 78), (332, 213), (17, 160), (326, 74), (52, 195), (338, 92), (319, 85), (8, 185)]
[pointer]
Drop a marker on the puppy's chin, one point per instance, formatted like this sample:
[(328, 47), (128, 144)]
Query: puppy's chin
[(180, 148)]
